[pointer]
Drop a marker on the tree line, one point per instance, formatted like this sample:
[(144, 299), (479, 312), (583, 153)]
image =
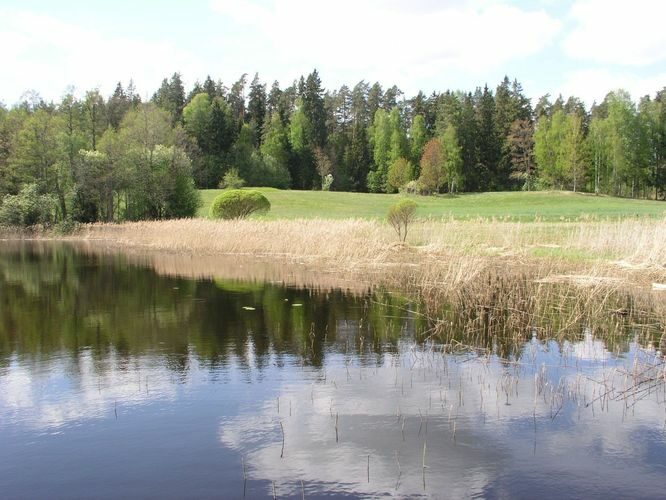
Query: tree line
[(119, 158)]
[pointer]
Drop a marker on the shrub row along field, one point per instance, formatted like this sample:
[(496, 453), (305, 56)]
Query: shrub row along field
[(515, 206)]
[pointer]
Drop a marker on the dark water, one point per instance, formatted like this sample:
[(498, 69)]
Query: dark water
[(116, 382)]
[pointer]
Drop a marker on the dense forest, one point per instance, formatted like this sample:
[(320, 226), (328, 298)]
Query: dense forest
[(118, 158)]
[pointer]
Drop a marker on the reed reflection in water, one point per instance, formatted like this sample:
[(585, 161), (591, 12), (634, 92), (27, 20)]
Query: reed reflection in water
[(116, 381)]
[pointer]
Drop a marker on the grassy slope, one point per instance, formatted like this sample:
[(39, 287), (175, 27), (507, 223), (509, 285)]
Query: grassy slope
[(514, 205)]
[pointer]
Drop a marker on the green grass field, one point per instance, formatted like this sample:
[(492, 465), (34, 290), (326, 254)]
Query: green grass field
[(548, 206)]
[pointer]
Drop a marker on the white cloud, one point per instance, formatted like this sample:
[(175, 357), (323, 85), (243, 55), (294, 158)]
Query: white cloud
[(593, 84), (49, 55), (617, 32), (351, 40), (493, 426), (426, 44)]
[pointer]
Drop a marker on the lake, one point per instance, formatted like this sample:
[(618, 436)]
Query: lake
[(117, 381)]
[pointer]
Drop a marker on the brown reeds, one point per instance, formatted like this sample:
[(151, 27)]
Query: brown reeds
[(439, 252)]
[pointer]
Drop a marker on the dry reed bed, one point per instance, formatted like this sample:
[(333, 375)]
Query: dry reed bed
[(457, 249), (305, 240)]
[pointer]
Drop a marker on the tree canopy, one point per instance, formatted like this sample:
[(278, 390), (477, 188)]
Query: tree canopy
[(118, 158)]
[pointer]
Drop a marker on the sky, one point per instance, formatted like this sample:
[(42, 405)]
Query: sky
[(584, 48)]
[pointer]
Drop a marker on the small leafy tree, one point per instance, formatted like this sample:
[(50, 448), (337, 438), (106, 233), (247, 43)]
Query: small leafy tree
[(238, 204), (232, 180), (324, 168), (452, 158), (401, 215), (432, 166), (400, 173), (326, 182)]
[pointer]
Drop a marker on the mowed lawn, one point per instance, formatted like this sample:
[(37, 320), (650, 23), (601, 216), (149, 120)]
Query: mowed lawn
[(543, 205)]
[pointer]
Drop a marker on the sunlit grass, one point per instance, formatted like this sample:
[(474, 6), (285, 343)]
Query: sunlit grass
[(508, 206)]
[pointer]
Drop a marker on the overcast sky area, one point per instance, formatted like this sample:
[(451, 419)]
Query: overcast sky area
[(578, 47)]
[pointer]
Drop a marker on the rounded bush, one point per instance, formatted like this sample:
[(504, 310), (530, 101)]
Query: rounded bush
[(238, 204)]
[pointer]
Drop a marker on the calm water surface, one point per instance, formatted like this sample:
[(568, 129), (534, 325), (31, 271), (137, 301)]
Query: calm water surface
[(117, 382)]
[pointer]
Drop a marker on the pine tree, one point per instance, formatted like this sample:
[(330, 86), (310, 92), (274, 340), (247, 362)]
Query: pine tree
[(448, 112), (177, 97), (375, 99), (521, 145), (210, 88), (313, 107), (359, 103), (236, 100), (543, 107), (274, 102), (468, 136), (117, 105), (171, 97), (223, 132), (256, 107), (196, 90), (418, 105), (356, 158), (487, 141), (391, 97)]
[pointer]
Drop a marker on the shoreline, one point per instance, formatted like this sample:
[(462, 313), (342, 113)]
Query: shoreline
[(486, 279), (446, 253)]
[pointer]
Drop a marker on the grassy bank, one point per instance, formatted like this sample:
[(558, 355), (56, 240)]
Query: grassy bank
[(515, 206)]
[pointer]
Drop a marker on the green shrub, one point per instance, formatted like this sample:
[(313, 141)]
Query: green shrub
[(269, 172), (401, 215), (28, 208), (413, 187), (232, 180), (66, 227), (376, 182), (238, 204), (326, 182)]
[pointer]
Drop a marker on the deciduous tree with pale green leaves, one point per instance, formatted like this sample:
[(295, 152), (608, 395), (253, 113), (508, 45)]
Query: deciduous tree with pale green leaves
[(418, 136), (400, 173), (452, 158)]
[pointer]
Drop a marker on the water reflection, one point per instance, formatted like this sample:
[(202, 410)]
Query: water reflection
[(115, 381), (489, 427)]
